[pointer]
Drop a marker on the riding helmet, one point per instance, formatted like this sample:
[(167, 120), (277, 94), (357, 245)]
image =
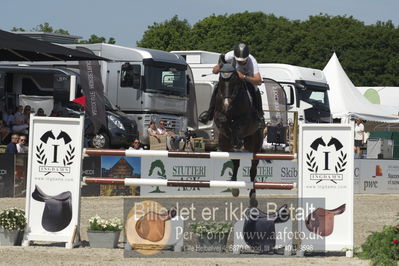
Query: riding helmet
[(241, 52)]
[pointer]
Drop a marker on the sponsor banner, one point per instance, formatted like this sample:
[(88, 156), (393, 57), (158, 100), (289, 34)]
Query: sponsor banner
[(117, 167), (93, 89), (392, 174), (326, 166), (183, 169), (366, 178), (6, 175), (277, 101), (91, 167), (356, 174), (54, 177), (220, 170), (379, 176), (270, 171), (20, 173)]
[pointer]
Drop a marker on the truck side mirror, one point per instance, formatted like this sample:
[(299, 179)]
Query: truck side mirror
[(289, 92)]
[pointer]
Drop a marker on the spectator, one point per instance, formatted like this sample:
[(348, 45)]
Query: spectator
[(135, 145), (19, 122), (27, 110), (174, 138), (359, 136), (4, 131), (12, 146), (9, 118), (22, 144), (152, 131), (40, 112), (161, 128)]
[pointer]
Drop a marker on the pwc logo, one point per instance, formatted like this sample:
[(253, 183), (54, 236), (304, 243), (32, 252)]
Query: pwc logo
[(378, 171)]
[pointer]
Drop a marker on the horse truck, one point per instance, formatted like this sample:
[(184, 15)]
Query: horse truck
[(144, 84), (304, 89)]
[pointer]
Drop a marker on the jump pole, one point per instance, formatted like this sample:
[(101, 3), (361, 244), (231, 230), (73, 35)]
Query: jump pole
[(185, 183), (200, 155)]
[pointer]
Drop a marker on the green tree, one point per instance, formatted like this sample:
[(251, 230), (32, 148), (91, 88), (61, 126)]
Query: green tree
[(45, 27), (15, 29), (368, 53), (168, 35), (96, 39)]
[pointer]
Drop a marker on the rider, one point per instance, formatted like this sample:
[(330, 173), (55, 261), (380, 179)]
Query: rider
[(247, 69)]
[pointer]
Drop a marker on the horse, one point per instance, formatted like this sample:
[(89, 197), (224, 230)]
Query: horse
[(236, 122)]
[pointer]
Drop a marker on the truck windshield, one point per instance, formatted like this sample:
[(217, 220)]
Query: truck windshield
[(317, 98), (165, 80)]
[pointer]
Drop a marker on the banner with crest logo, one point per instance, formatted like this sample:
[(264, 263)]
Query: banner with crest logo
[(326, 179), (53, 185)]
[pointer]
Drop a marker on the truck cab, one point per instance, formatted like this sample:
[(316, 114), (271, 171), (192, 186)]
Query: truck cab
[(305, 89), (146, 84)]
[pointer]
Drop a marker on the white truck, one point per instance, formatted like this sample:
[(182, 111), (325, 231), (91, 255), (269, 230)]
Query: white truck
[(145, 84), (305, 88)]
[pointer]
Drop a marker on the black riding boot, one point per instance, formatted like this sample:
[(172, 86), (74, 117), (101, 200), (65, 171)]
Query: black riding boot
[(206, 116)]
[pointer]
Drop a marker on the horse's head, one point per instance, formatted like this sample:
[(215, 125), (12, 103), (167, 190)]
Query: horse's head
[(229, 85)]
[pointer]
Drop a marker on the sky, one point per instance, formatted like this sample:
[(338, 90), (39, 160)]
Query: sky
[(126, 20)]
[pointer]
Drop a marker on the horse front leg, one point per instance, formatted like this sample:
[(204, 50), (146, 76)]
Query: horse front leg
[(236, 165), (252, 194)]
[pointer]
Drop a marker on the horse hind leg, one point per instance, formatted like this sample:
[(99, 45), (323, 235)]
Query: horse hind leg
[(236, 164)]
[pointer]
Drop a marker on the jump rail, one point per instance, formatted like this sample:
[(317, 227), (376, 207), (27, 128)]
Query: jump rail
[(203, 155), (183, 183)]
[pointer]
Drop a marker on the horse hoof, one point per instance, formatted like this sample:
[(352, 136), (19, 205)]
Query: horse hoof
[(235, 192), (253, 203)]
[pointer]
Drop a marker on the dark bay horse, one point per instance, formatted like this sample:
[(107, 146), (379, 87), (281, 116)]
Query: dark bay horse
[(236, 121)]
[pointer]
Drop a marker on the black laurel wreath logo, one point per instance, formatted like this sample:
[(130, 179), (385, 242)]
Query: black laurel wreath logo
[(312, 167), (341, 163), (69, 156), (40, 155)]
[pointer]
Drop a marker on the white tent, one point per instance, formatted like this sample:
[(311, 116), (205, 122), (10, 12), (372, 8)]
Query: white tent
[(346, 100)]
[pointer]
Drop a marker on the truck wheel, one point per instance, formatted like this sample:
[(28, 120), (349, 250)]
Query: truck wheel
[(100, 141)]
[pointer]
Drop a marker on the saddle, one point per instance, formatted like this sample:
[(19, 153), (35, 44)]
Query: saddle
[(321, 221), (57, 212), (152, 225), (259, 227)]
